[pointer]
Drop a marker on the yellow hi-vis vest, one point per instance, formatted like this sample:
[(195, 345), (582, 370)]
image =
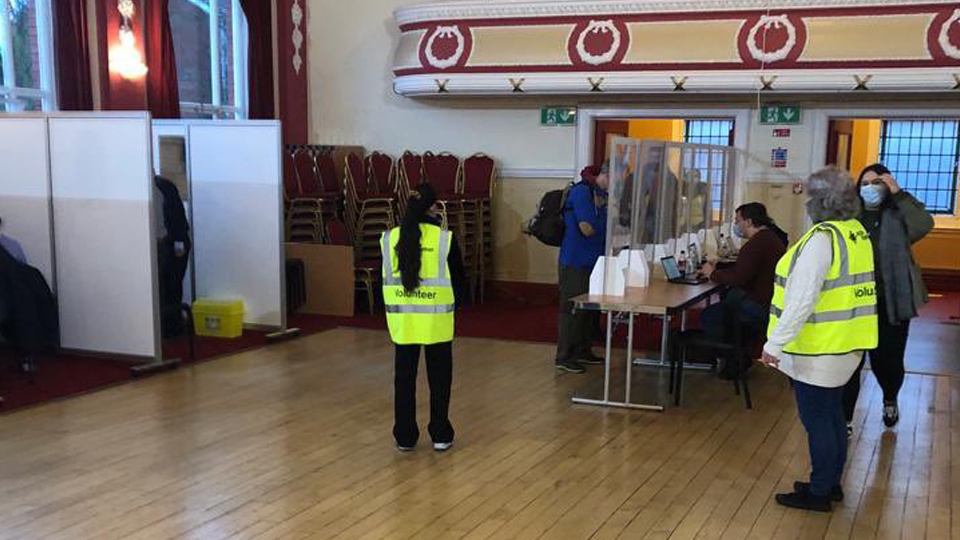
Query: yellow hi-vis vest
[(844, 319), (423, 316)]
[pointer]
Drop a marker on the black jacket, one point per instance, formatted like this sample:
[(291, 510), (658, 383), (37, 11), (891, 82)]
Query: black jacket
[(29, 318), (174, 215)]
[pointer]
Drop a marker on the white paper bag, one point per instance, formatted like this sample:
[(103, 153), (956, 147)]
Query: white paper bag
[(635, 268), (607, 277)]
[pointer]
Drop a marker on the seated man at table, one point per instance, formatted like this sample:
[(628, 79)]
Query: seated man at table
[(751, 277), (584, 240)]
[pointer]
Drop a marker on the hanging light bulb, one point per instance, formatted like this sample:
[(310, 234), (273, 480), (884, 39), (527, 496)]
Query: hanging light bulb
[(125, 58)]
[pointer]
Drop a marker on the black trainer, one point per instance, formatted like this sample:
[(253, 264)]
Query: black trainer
[(571, 366), (891, 413), (592, 359), (836, 494), (804, 501)]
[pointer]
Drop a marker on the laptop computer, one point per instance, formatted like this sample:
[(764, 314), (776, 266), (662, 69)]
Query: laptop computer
[(672, 270)]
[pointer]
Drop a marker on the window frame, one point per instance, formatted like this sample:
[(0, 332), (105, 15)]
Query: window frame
[(954, 190), (240, 109), (10, 93), (819, 120)]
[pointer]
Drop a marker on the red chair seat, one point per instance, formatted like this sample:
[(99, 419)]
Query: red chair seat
[(321, 195), (368, 196)]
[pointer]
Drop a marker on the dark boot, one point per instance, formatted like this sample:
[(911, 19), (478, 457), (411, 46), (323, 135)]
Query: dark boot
[(805, 501)]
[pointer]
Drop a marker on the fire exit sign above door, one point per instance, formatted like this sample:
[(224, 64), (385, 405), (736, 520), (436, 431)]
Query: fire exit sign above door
[(780, 114)]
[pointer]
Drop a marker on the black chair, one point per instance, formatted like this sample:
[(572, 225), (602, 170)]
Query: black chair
[(735, 348)]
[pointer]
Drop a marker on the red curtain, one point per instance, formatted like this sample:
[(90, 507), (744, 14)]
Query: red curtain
[(260, 58), (163, 92), (71, 42)]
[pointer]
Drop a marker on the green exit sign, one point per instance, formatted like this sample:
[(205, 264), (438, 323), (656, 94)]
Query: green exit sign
[(780, 114), (558, 116)]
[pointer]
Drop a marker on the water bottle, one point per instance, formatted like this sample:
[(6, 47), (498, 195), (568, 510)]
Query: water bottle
[(723, 250), (682, 263), (694, 258)]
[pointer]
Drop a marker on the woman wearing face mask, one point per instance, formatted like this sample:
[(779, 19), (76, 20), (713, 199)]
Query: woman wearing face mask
[(751, 279), (895, 220)]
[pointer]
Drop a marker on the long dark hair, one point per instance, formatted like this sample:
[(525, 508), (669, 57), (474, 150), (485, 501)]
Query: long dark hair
[(408, 246), (757, 213)]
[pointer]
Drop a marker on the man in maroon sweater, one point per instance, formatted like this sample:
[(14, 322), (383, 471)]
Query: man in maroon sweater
[(751, 278)]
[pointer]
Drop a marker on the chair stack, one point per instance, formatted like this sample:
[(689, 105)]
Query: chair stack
[(479, 175), (311, 197), (370, 203)]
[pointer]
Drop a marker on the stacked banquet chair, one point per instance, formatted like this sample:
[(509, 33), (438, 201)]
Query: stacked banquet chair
[(445, 173), (479, 175), (332, 183), (309, 200), (409, 175), (369, 206), (366, 273)]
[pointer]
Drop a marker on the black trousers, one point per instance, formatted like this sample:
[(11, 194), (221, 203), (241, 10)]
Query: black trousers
[(574, 328), (439, 375), (886, 362), (171, 272)]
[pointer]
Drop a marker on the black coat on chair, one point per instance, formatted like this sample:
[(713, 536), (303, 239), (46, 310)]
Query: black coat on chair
[(29, 318)]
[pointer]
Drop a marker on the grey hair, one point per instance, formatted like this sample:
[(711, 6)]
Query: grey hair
[(833, 196)]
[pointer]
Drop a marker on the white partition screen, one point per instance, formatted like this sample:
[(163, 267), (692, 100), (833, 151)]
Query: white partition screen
[(102, 181), (237, 216), (25, 189)]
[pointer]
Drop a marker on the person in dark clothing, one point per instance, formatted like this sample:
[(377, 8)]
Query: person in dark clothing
[(751, 279), (29, 319), (174, 246), (584, 241), (895, 221), (422, 287)]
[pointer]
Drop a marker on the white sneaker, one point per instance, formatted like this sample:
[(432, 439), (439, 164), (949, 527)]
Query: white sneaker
[(442, 446), (405, 448)]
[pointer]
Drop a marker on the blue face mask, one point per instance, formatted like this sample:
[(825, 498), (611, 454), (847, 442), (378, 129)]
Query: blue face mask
[(738, 231), (872, 195)]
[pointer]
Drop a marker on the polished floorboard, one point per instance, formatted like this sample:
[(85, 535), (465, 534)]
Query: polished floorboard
[(293, 442)]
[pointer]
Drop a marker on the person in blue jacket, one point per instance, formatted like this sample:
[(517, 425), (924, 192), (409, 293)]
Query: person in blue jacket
[(584, 241)]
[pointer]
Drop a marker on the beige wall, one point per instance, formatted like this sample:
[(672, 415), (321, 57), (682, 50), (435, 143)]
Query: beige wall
[(351, 53)]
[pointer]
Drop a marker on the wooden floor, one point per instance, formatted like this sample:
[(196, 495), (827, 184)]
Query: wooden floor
[(293, 442)]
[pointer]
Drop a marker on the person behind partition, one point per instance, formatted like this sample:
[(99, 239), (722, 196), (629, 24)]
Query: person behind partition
[(823, 316), (895, 221), (173, 245), (584, 241), (12, 246), (423, 278), (750, 279)]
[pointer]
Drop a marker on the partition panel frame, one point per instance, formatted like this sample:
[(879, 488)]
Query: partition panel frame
[(191, 125), (152, 218)]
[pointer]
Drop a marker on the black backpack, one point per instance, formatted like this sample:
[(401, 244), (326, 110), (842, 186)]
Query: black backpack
[(547, 225)]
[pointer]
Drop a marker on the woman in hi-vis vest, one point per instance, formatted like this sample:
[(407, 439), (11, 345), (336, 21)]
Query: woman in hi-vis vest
[(823, 315), (422, 277)]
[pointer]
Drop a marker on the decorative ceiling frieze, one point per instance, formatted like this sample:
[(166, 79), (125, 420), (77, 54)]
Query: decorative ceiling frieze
[(689, 45)]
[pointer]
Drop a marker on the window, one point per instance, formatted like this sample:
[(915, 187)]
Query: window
[(922, 155), (210, 42), (711, 131), (26, 56)]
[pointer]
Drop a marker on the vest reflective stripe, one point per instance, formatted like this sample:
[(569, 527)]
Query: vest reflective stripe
[(845, 316), (446, 308), (424, 315), (833, 316), (843, 281)]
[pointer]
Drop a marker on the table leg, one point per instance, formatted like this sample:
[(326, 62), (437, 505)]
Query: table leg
[(605, 402), (606, 356), (628, 365)]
